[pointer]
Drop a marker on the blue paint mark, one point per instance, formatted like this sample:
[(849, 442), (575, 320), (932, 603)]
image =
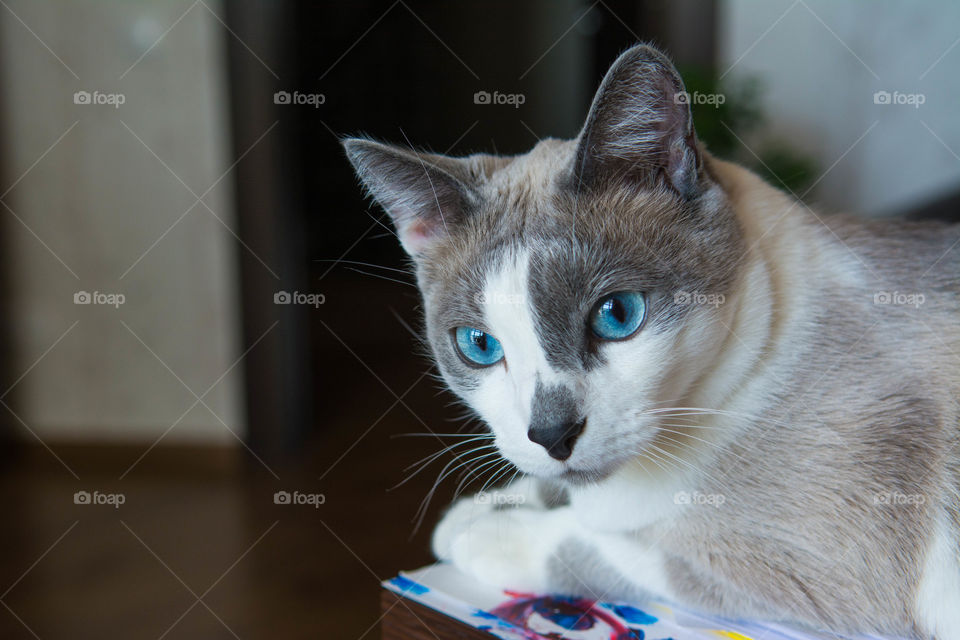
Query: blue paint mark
[(480, 613), (634, 615), (408, 585)]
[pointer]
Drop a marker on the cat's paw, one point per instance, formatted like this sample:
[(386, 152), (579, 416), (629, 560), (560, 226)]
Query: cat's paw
[(506, 549), (520, 494), (455, 521)]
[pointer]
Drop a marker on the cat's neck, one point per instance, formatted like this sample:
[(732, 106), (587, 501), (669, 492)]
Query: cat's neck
[(757, 311)]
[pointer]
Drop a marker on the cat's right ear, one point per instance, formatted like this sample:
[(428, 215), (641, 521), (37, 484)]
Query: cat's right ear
[(640, 129), (422, 192)]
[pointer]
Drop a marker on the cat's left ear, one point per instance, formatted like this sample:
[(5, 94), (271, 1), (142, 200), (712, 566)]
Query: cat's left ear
[(639, 129), (424, 194)]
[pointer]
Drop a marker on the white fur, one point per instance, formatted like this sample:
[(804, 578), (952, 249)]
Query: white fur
[(505, 395), (514, 547), (939, 590)]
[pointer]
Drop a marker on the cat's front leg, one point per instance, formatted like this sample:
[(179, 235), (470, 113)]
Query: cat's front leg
[(550, 550), (505, 548)]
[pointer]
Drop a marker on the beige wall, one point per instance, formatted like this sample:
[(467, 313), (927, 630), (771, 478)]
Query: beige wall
[(822, 61), (99, 200)]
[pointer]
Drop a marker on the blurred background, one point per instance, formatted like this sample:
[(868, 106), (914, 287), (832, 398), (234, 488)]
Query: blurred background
[(208, 339)]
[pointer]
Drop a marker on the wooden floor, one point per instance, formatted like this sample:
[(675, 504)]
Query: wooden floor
[(200, 550)]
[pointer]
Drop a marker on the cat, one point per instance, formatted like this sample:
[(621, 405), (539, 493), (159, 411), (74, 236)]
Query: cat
[(716, 396)]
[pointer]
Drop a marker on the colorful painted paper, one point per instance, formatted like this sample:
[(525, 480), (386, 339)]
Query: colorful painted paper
[(527, 616)]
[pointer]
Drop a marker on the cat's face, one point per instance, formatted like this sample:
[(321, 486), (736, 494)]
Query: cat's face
[(567, 291)]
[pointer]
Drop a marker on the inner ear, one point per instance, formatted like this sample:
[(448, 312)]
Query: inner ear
[(639, 129), (424, 194)]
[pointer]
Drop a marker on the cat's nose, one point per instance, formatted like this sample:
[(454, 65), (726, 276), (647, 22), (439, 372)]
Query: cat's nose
[(557, 439)]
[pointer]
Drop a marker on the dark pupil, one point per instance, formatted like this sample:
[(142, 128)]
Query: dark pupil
[(479, 338), (617, 310)]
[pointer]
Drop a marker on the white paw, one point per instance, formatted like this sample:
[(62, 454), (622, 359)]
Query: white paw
[(505, 549), (455, 521)]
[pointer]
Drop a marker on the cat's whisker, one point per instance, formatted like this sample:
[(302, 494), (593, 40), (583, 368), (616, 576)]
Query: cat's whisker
[(382, 277), (425, 506), (365, 264), (467, 476), (692, 467), (403, 323), (495, 475), (425, 503), (434, 456), (466, 464), (649, 456), (442, 435), (378, 220), (693, 447), (690, 411), (451, 447), (671, 467), (689, 425), (514, 476), (500, 476), (459, 455), (459, 461), (643, 466), (474, 472)]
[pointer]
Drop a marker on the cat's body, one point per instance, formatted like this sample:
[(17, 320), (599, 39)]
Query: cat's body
[(778, 439)]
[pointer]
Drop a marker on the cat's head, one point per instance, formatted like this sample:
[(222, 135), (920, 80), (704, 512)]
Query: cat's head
[(560, 287)]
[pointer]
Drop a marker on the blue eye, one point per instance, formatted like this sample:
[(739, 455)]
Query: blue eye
[(618, 315), (478, 347)]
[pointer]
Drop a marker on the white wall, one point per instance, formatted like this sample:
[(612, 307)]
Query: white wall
[(99, 200), (821, 97)]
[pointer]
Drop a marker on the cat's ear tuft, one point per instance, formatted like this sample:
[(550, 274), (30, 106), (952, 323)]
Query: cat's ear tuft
[(421, 192), (639, 128)]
